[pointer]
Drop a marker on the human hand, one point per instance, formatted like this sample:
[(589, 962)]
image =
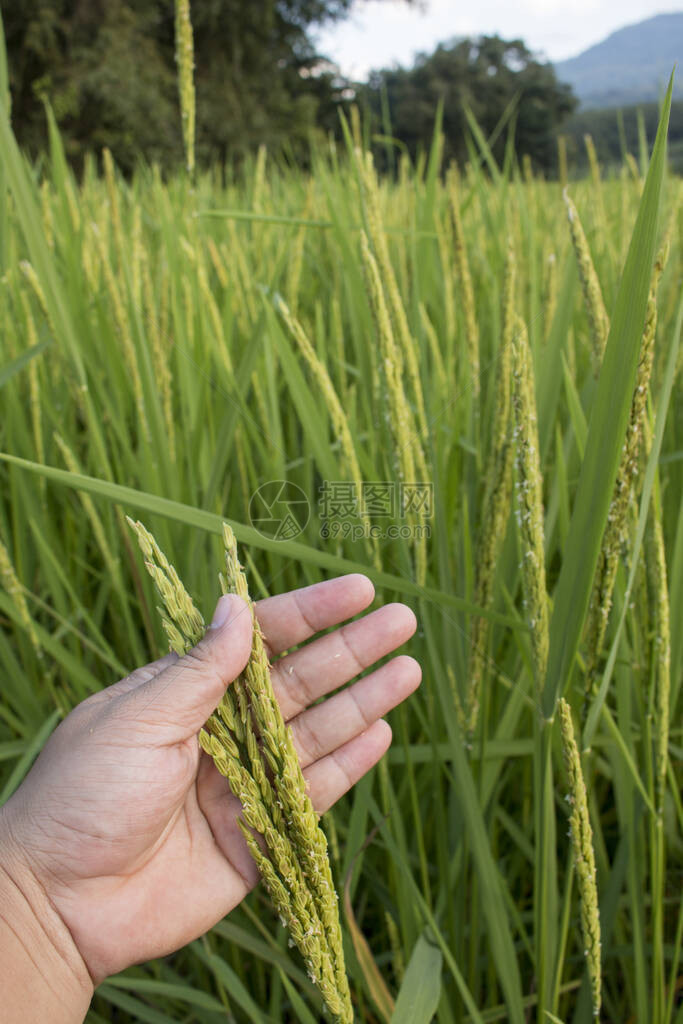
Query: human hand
[(128, 829)]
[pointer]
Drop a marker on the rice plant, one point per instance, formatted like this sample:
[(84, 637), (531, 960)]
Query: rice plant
[(170, 345)]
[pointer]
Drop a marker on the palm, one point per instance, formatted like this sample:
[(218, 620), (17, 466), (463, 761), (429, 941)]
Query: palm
[(144, 852)]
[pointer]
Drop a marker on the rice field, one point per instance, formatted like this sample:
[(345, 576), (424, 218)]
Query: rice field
[(471, 386)]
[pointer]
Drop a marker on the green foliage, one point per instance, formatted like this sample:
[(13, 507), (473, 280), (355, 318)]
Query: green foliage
[(457, 865), (617, 132), (484, 74), (108, 71)]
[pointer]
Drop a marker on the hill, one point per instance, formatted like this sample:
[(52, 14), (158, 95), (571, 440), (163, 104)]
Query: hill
[(632, 65)]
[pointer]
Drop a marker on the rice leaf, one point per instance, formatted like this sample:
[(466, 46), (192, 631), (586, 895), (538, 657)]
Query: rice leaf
[(420, 991), (18, 364), (606, 432)]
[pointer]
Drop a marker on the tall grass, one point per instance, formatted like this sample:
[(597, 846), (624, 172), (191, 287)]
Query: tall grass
[(146, 366)]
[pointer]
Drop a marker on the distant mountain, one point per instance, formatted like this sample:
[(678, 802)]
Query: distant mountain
[(631, 66)]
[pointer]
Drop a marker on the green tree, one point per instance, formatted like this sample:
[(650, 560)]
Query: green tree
[(107, 67), (484, 74)]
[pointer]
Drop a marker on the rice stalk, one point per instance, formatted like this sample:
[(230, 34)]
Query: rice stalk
[(260, 399), (279, 868), (15, 591), (72, 205), (296, 255), (124, 332), (592, 293), (529, 487), (497, 499), (632, 165), (243, 280), (457, 701), (462, 268), (184, 55), (253, 749), (218, 262), (307, 837), (581, 835), (114, 209), (409, 458), (337, 334), (615, 534), (377, 235), (188, 306), (397, 959), (90, 261), (597, 194), (162, 372), (34, 387), (340, 423), (439, 372), (661, 649), (29, 273), (96, 524), (215, 318), (444, 237), (137, 256), (658, 587)]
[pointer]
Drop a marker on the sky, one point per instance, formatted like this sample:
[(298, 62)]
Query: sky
[(381, 33)]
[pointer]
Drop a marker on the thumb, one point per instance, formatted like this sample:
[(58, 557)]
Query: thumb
[(182, 697)]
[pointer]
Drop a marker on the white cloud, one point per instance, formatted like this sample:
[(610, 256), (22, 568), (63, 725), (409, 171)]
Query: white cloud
[(380, 33)]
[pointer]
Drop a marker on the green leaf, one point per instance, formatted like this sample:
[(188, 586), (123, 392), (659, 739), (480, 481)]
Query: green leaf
[(575, 411), (26, 760), (139, 1010), (606, 432), (420, 992), (18, 364), (304, 1015), (212, 523), (233, 985), (372, 976), (648, 484), (166, 990), (676, 599)]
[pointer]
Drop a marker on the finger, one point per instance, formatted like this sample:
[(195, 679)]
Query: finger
[(332, 776), (289, 619), (178, 701), (302, 677), (323, 728)]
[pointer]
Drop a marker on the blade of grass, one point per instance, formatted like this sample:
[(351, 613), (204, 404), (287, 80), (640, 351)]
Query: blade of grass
[(28, 757), (18, 364), (212, 523), (420, 991), (662, 409), (606, 431)]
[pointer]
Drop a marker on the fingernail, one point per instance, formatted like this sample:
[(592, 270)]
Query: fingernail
[(224, 610)]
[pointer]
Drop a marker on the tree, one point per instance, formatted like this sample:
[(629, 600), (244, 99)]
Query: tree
[(107, 67), (484, 74)]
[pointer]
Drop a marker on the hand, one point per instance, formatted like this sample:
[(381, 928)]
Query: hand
[(128, 828)]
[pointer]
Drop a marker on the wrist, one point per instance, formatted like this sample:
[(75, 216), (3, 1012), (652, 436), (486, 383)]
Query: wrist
[(42, 974)]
